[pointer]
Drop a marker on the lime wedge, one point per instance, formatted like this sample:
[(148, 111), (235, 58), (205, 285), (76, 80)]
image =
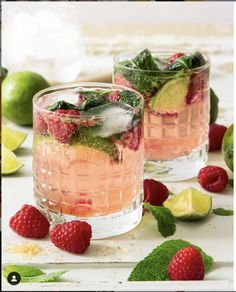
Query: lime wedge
[(12, 139), (190, 204), (172, 96), (10, 163)]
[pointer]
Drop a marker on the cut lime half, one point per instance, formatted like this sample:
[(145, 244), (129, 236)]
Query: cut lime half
[(190, 204), (10, 163), (12, 139)]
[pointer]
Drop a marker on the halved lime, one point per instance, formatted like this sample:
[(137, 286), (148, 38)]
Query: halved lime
[(172, 96), (10, 163), (12, 139), (190, 204)]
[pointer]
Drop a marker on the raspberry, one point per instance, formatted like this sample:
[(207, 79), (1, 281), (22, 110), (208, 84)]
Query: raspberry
[(155, 192), (59, 129), (39, 124), (186, 265), (114, 96), (213, 178), (29, 222), (196, 88), (120, 80), (174, 57), (72, 236), (216, 134), (132, 138)]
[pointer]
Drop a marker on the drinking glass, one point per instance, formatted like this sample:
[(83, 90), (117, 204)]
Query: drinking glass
[(176, 115), (89, 166)]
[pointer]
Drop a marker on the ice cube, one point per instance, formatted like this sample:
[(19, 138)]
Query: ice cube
[(114, 119)]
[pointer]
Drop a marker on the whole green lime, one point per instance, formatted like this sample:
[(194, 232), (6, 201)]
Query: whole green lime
[(18, 90), (228, 147)]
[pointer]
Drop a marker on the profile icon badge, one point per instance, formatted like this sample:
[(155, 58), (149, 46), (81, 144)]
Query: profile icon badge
[(13, 278)]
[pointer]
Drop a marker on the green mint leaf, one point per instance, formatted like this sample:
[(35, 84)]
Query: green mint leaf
[(145, 61), (61, 105), (24, 271), (231, 182), (165, 219), (93, 98), (50, 277), (154, 267), (129, 97), (223, 212), (187, 62)]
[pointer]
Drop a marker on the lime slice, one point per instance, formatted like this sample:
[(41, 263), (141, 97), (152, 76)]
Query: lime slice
[(10, 163), (172, 96), (12, 139), (190, 204)]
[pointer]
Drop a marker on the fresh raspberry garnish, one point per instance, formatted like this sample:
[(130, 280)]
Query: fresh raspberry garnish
[(120, 80), (29, 222), (174, 57), (132, 137), (186, 265), (213, 178), (114, 96), (72, 236), (61, 130), (39, 124), (155, 192), (216, 135), (196, 88)]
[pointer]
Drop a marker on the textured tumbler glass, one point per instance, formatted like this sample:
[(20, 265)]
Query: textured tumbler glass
[(176, 115), (88, 155)]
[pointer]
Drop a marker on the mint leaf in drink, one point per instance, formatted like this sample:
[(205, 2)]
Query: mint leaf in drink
[(50, 277), (154, 267), (165, 219), (93, 98), (145, 61), (24, 271), (223, 212), (129, 97), (61, 105), (187, 62)]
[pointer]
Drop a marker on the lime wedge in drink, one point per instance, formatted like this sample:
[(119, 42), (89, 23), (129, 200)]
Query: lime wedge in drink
[(12, 139), (190, 204), (10, 163), (172, 96)]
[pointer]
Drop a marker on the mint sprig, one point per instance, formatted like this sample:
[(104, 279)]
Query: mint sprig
[(154, 267), (165, 220), (50, 277), (30, 274), (223, 212)]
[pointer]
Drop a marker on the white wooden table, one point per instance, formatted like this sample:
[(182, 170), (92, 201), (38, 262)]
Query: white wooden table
[(107, 264)]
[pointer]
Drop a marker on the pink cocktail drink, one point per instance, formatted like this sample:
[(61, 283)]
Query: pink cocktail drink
[(88, 155), (176, 93)]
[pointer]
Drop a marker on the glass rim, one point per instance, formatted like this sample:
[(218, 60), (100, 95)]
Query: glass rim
[(154, 51), (62, 86)]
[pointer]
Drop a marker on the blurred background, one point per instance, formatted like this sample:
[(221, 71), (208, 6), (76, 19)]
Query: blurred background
[(70, 41)]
